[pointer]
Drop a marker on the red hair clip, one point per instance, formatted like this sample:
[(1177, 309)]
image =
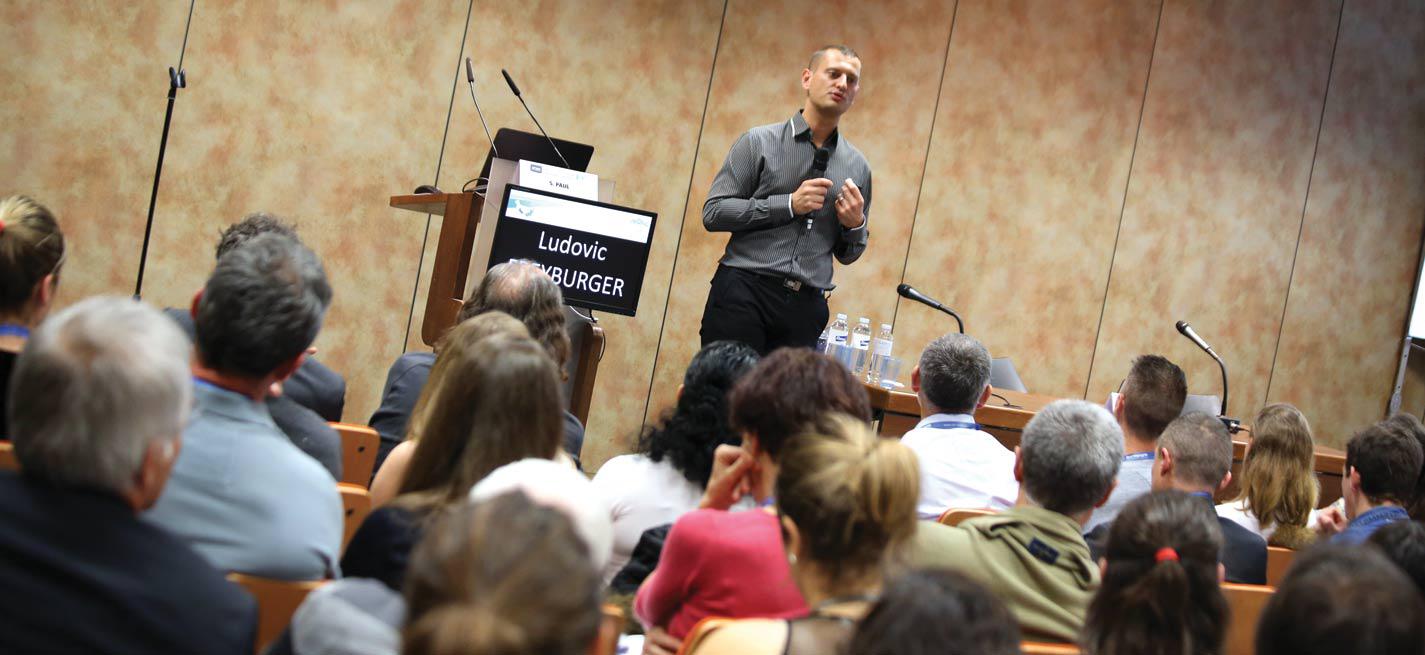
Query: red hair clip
[(1166, 553), (2, 225)]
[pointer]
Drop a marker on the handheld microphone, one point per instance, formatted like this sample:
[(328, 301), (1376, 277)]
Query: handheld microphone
[(910, 293), (470, 81), (516, 89), (1187, 331), (818, 169)]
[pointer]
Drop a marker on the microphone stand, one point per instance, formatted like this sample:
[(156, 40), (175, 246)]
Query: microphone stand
[(176, 80), (958, 323)]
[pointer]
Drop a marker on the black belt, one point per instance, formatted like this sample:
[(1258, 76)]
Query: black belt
[(786, 283)]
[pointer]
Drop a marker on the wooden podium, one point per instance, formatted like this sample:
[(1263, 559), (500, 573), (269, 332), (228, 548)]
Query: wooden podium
[(460, 215)]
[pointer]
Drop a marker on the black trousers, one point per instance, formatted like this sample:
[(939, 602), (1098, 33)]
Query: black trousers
[(762, 311)]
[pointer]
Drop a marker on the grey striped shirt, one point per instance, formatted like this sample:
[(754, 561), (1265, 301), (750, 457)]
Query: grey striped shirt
[(751, 198)]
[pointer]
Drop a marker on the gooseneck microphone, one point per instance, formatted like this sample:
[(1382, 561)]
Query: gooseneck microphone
[(513, 87), (470, 80), (1187, 331), (818, 169), (910, 293)]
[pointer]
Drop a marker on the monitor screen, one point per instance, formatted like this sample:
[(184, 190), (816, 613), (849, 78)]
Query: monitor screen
[(595, 251)]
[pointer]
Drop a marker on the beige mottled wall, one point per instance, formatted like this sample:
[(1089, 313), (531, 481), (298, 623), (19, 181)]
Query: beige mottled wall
[(1346, 314), (1039, 165)]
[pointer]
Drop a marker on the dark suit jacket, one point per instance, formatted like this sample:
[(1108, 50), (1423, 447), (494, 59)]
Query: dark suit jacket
[(404, 382), (1243, 556), (80, 573), (310, 398)]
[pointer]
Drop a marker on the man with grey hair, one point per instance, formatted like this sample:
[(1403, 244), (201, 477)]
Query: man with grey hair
[(961, 466), (519, 288), (1195, 456), (1033, 556), (242, 493), (97, 405)]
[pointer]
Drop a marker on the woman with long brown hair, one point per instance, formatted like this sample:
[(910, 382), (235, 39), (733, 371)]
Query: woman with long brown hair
[(1278, 481), (32, 251), (499, 402)]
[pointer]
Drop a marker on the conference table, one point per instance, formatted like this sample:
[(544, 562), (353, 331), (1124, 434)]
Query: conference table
[(1007, 412)]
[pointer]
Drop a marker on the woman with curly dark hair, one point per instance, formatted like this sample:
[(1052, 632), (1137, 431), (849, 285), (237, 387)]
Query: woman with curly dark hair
[(666, 477)]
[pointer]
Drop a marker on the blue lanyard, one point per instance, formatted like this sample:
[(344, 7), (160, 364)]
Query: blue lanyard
[(1137, 457), (14, 330), (954, 425)]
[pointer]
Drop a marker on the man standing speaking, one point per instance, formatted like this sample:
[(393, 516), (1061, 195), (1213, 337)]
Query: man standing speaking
[(793, 194)]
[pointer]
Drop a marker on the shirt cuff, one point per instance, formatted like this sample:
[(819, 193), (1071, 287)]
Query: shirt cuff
[(774, 206), (858, 228)]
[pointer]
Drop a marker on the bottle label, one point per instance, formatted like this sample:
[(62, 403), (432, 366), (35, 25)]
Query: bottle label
[(883, 347), (862, 342), (838, 338)]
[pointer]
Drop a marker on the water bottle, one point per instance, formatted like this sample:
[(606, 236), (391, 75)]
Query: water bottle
[(880, 351), (861, 341), (836, 334)]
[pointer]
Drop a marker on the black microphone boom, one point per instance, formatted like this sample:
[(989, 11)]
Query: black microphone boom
[(470, 80), (909, 293), (513, 87), (1187, 331)]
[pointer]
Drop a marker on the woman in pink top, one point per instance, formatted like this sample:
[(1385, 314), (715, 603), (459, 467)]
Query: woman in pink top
[(732, 564)]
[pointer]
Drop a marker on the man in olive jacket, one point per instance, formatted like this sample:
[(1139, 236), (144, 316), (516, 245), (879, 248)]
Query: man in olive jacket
[(1033, 556)]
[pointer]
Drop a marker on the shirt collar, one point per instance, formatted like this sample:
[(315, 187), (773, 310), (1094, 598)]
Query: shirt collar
[(1382, 514), (933, 418), (802, 132)]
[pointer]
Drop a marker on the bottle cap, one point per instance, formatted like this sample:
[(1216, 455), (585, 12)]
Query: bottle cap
[(886, 327), (865, 320), (841, 316)]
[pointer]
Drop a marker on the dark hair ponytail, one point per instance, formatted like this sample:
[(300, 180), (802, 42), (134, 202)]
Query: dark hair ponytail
[(1160, 591)]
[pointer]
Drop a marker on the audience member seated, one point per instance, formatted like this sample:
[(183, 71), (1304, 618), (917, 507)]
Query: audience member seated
[(1410, 425), (1404, 543), (101, 395), (1341, 599), (241, 493), (936, 612), (666, 477), (315, 394), (733, 564), (360, 616), (960, 464), (1148, 400), (1161, 590), (32, 252), (517, 417), (1033, 556), (458, 342), (1278, 487), (503, 576), (1195, 457), (1382, 465), (520, 289), (846, 500)]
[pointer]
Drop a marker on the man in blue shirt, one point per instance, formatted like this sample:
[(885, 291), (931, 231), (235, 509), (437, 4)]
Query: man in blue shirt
[(241, 493), (1381, 467)]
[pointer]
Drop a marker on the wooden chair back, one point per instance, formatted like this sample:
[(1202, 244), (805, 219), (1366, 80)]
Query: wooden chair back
[(8, 461), (586, 370), (356, 504), (610, 630), (358, 452), (700, 632), (1244, 606), (277, 601), (955, 515), (1278, 561), (1044, 648)]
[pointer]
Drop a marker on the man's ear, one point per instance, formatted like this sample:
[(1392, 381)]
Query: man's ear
[(1164, 461), (915, 379), (193, 308), (1018, 466), (290, 366), (1226, 480), (984, 396), (806, 78), (152, 476), (1119, 403), (1111, 486)]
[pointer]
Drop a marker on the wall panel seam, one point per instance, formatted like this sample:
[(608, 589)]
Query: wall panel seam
[(444, 136), (1123, 206), (687, 199), (925, 164), (1305, 202)]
